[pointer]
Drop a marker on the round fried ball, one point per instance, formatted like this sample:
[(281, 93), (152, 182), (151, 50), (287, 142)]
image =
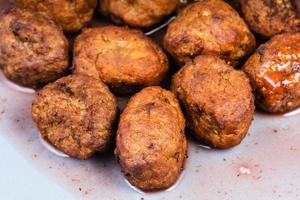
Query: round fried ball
[(217, 101), (209, 27), (269, 17), (234, 3), (124, 59), (33, 49), (138, 13), (71, 15), (274, 71), (76, 115), (151, 144)]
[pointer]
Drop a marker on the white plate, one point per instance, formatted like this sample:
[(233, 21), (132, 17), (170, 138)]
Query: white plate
[(265, 166)]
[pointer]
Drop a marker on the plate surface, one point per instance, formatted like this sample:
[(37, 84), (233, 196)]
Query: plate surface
[(265, 166)]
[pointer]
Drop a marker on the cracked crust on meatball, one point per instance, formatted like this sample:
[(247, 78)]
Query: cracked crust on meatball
[(209, 27), (33, 49), (138, 13), (274, 71), (124, 59), (151, 144), (71, 15), (271, 17), (217, 101), (76, 115)]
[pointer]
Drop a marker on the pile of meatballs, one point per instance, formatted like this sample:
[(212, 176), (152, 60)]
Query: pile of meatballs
[(220, 76)]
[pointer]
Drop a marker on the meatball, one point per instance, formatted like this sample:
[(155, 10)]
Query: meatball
[(274, 71), (138, 13), (209, 27), (217, 101), (124, 59), (71, 15), (76, 115), (234, 3), (33, 49), (269, 17), (151, 144)]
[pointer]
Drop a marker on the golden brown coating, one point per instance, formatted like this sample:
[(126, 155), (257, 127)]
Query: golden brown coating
[(271, 17), (124, 59), (233, 3), (33, 49), (138, 13), (76, 115), (274, 71), (71, 15), (209, 27), (151, 144), (217, 100)]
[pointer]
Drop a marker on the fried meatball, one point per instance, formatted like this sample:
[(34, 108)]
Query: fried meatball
[(274, 71), (269, 17), (151, 144), (217, 100), (124, 59), (138, 13), (71, 15), (209, 27), (76, 115), (234, 3), (33, 49)]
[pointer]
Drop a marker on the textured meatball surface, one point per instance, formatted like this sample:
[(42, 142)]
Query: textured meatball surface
[(124, 59), (271, 17), (151, 145), (138, 13), (274, 71), (76, 114), (33, 49), (71, 15), (217, 100), (208, 27)]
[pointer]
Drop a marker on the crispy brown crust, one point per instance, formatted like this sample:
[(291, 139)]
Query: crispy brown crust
[(138, 13), (124, 59), (151, 145), (209, 27), (33, 49), (217, 100), (71, 15), (275, 73), (76, 114), (269, 17)]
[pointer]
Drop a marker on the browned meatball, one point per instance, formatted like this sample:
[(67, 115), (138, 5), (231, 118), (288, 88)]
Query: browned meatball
[(124, 59), (71, 15), (151, 145), (274, 71), (271, 17), (234, 3), (217, 100), (138, 13), (33, 49), (76, 114), (209, 27)]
